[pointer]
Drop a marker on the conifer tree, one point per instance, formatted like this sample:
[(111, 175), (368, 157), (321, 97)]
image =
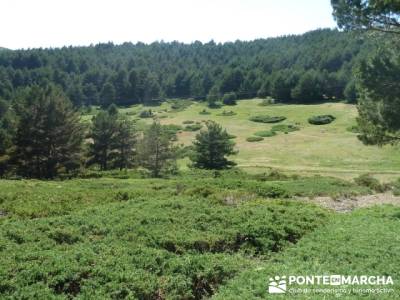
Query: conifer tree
[(211, 148), (49, 134), (155, 150)]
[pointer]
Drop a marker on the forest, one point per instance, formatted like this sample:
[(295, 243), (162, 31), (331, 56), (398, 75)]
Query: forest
[(316, 66)]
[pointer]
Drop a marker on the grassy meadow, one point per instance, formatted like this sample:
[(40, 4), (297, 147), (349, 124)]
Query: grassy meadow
[(331, 149), (206, 234)]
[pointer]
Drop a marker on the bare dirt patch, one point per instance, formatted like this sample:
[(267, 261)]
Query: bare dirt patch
[(347, 204)]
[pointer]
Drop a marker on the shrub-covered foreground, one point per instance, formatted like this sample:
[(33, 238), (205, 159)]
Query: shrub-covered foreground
[(364, 242), (178, 238)]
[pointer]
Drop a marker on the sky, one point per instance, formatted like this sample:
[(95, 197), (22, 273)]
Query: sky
[(57, 23)]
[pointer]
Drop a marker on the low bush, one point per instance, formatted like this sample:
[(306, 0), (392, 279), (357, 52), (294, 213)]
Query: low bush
[(188, 122), (146, 114), (368, 181), (231, 136), (267, 119), (194, 127), (321, 120), (265, 133), (253, 139)]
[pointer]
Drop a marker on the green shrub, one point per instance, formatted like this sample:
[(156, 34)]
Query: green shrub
[(194, 127), (253, 139), (271, 191), (368, 181), (267, 119), (146, 114), (231, 136), (321, 120), (188, 122), (265, 133)]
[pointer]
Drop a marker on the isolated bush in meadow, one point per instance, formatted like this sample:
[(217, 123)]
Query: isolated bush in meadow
[(321, 120), (265, 133), (146, 114), (253, 139), (267, 119)]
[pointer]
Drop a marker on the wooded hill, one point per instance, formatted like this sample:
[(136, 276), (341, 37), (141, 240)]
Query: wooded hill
[(311, 67)]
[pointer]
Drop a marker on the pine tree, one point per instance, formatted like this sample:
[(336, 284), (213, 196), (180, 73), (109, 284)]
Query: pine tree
[(113, 140), (155, 151), (49, 134), (211, 148), (124, 143), (103, 132)]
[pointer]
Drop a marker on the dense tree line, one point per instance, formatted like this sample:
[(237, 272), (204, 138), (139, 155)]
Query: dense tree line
[(311, 67)]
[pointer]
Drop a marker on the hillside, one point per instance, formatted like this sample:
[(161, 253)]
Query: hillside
[(282, 67)]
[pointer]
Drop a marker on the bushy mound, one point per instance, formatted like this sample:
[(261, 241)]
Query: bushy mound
[(267, 119), (252, 139), (188, 122), (265, 133), (146, 114), (321, 120)]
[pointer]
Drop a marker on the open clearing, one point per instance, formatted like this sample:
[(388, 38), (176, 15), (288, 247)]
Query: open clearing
[(327, 150)]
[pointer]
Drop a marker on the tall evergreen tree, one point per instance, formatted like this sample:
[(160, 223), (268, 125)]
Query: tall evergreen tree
[(211, 148), (155, 150), (124, 143), (102, 133), (49, 134)]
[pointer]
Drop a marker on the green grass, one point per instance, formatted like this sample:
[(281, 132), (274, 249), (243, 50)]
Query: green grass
[(327, 150)]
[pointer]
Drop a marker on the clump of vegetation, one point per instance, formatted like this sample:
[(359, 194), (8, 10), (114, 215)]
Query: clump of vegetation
[(172, 129), (267, 119), (285, 128), (265, 133), (231, 136), (229, 98), (180, 105), (253, 139), (204, 112), (266, 102), (227, 113), (321, 120), (369, 181), (148, 113), (188, 122), (193, 127)]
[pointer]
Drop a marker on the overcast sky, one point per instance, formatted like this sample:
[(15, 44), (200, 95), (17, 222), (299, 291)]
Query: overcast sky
[(55, 23)]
